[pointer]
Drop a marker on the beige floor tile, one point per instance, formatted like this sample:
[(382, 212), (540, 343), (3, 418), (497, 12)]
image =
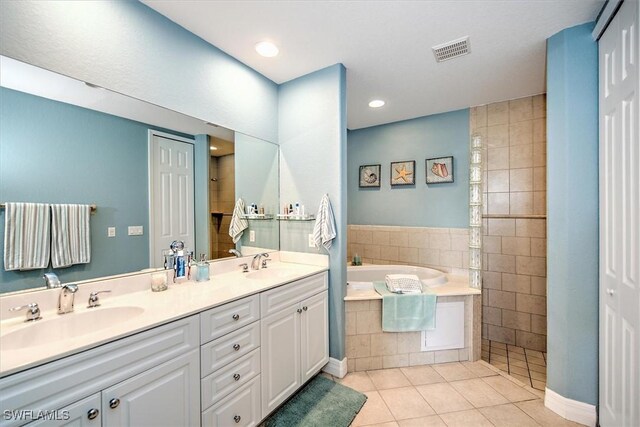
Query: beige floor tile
[(517, 356), (453, 371), (525, 380), (533, 353), (406, 403), (419, 375), (430, 421), (517, 363), (509, 389), (519, 371), (443, 398), (479, 393), (374, 411), (498, 358), (485, 341), (389, 424), (539, 385), (388, 378), (502, 366), (469, 418), (498, 351), (538, 368), (536, 361), (481, 369), (538, 376), (515, 349), (495, 344), (543, 416), (485, 355), (507, 416), (357, 380)]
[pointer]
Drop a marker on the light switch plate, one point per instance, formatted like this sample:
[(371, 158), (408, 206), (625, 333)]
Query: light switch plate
[(312, 243), (252, 235), (111, 232), (136, 230)]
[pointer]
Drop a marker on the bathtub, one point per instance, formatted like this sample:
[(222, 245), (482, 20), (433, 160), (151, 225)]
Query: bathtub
[(362, 277)]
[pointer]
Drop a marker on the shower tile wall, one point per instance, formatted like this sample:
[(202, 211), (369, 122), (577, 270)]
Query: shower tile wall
[(514, 246), (221, 199)]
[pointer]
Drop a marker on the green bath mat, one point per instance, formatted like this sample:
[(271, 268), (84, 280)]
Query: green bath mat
[(321, 403)]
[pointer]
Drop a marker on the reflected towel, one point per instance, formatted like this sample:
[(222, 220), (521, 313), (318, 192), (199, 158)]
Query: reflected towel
[(70, 235), (324, 231), (26, 236), (238, 221), (406, 312)]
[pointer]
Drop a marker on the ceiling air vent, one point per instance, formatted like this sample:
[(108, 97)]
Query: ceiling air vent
[(452, 49)]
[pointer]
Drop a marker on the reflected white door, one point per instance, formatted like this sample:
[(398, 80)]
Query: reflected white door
[(619, 221), (171, 196)]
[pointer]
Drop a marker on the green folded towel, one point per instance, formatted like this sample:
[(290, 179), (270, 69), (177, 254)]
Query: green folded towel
[(406, 312)]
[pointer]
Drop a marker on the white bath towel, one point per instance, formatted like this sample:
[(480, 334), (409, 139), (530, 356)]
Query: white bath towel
[(26, 236), (403, 283), (238, 221), (324, 231), (70, 235)]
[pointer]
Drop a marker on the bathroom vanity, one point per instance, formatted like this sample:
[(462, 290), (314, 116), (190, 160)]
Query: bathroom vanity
[(218, 353)]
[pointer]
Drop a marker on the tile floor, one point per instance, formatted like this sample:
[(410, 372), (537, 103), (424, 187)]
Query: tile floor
[(529, 366), (465, 394)]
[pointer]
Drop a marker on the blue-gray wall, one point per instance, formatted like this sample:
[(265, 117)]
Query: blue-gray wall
[(313, 161), (127, 47), (572, 214), (59, 153), (434, 205)]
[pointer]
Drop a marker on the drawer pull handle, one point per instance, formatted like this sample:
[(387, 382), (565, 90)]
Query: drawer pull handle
[(236, 317), (113, 403), (305, 308), (237, 418), (92, 414), (236, 377), (299, 311), (236, 347)]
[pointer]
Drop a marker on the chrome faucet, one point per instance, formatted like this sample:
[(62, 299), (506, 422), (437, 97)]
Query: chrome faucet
[(51, 280), (67, 295), (255, 264), (237, 253)]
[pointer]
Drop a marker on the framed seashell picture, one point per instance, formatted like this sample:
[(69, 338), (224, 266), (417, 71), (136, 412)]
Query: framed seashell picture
[(369, 176), (439, 170)]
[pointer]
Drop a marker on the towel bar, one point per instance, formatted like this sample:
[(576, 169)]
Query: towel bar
[(94, 208)]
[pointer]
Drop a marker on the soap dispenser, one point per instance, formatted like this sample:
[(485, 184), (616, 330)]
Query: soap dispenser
[(203, 270)]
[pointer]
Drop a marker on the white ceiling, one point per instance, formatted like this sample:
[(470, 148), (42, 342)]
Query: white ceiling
[(386, 46)]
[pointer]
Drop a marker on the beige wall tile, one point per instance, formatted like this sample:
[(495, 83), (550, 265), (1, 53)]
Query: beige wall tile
[(539, 285), (429, 256), (364, 236), (356, 306), (533, 266), (539, 130), (446, 356), (520, 109), (409, 255), (521, 179), (497, 158), (395, 361), (516, 283), (498, 113), (538, 247), (502, 263), (521, 203), (492, 316), (460, 242), (368, 363), (539, 154), (421, 358), (501, 299), (350, 322), (502, 227), (521, 156), (440, 241), (539, 324), (540, 179), (498, 181), (389, 253), (492, 244), (516, 245), (498, 203), (358, 346), (409, 342), (368, 322), (399, 238), (516, 320), (491, 280), (500, 334), (539, 106), (530, 340), (418, 239), (539, 202), (531, 304), (451, 259), (384, 344), (380, 237), (497, 136), (531, 227), (521, 133), (372, 251), (481, 116)]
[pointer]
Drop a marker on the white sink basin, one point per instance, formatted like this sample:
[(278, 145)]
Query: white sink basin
[(271, 273), (66, 326)]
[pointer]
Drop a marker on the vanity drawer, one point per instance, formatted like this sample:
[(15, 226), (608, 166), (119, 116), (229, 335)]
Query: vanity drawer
[(226, 349), (276, 299), (241, 408), (227, 318), (231, 377)]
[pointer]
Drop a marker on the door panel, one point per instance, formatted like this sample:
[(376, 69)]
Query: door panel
[(314, 335), (84, 413)]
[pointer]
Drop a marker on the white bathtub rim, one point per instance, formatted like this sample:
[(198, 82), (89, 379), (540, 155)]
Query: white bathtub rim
[(440, 278)]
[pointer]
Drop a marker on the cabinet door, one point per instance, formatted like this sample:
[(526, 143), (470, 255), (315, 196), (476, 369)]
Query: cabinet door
[(84, 413), (280, 338), (314, 334), (167, 395)]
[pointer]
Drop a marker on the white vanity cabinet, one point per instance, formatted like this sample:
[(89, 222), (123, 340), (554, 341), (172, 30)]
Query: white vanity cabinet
[(295, 337)]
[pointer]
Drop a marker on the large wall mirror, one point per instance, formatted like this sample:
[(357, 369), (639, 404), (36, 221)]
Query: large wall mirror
[(67, 141)]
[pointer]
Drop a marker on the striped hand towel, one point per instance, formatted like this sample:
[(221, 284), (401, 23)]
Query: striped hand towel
[(238, 221), (324, 231), (70, 235), (26, 236)]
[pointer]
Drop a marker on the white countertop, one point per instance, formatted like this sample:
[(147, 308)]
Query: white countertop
[(455, 286), (179, 301)]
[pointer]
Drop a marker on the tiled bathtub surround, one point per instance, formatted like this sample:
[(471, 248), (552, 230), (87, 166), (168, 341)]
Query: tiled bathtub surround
[(445, 249), (514, 241)]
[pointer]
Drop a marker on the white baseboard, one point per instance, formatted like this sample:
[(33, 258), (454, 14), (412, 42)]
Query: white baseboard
[(335, 367), (573, 410)]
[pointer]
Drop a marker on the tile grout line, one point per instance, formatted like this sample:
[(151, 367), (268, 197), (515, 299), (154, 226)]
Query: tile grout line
[(526, 359)]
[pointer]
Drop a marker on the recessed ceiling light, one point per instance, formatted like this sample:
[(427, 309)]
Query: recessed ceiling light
[(376, 103), (212, 148), (267, 49)]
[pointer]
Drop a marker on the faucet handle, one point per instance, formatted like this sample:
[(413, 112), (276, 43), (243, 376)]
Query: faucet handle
[(245, 267), (93, 298), (33, 311), (264, 262)]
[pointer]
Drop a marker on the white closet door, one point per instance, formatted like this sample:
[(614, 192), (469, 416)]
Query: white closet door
[(171, 215), (619, 221)]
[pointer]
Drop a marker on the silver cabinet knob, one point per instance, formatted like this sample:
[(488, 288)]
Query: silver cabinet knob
[(236, 347), (236, 377), (299, 310), (611, 291), (305, 308), (92, 414), (237, 418), (113, 403), (236, 317)]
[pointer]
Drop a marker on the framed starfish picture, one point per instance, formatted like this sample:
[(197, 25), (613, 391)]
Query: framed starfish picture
[(403, 173)]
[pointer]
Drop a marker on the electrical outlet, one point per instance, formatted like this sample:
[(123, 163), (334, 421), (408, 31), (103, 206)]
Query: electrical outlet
[(135, 230), (252, 235), (111, 232), (312, 243)]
